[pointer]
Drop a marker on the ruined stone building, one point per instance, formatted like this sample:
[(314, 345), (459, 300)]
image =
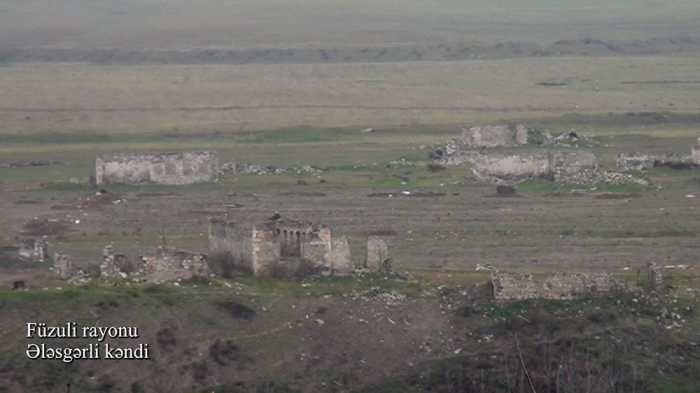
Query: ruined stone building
[(280, 248), (552, 165), (157, 168), (34, 249), (494, 136), (511, 286)]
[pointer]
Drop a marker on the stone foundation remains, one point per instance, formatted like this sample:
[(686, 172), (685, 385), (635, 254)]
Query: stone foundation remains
[(510, 286), (168, 266), (34, 249), (157, 168)]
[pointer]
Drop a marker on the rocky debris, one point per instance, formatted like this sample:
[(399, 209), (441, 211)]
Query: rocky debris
[(83, 181), (80, 277), (376, 293), (296, 169), (592, 178), (228, 167)]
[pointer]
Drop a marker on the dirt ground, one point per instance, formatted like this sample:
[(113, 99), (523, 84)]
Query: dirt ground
[(464, 226)]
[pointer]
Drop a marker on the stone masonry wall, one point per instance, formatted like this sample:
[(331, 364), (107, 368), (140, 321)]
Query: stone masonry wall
[(342, 258), (512, 165), (266, 253), (162, 168), (316, 249), (172, 266), (227, 240), (510, 286), (378, 258), (493, 136), (566, 164)]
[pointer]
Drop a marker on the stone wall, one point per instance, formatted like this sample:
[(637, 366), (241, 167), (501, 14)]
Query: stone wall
[(62, 265), (342, 258), (267, 250), (229, 241), (512, 165), (167, 266), (656, 280), (510, 286), (34, 249), (567, 164), (493, 136), (157, 168), (636, 161), (695, 153), (378, 258)]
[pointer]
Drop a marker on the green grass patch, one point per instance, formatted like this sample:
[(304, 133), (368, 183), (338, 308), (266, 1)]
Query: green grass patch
[(300, 134)]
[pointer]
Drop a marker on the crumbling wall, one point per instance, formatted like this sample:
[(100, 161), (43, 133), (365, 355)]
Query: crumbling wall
[(62, 265), (342, 258), (167, 266), (163, 168), (510, 286), (227, 240), (317, 249), (511, 165), (636, 161), (493, 136), (655, 278), (695, 153), (34, 249), (266, 252), (567, 164), (378, 258), (114, 264)]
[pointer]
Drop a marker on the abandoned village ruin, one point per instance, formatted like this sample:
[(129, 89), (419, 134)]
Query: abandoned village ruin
[(289, 248), (157, 168)]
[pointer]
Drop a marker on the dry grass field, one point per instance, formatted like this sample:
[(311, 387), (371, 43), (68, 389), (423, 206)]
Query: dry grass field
[(192, 99)]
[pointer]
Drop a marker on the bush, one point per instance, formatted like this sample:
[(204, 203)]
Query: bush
[(435, 168), (237, 310)]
